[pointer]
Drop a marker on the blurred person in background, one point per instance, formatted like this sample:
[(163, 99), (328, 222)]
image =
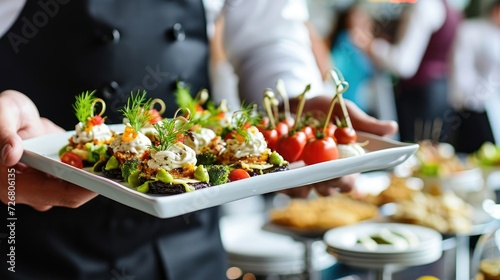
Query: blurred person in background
[(419, 58), (52, 50), (475, 81), (351, 60)]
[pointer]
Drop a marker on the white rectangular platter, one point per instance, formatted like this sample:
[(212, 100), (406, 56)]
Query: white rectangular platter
[(42, 153)]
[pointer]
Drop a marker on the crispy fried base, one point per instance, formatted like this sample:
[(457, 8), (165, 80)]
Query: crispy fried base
[(112, 173), (159, 187), (257, 172)]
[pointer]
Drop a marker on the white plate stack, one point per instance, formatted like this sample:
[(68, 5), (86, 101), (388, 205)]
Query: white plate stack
[(255, 250), (342, 242)]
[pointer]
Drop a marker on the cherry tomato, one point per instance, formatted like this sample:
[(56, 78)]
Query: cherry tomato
[(290, 147), (282, 128), (155, 116), (97, 120), (271, 136), (320, 150), (264, 122), (330, 130), (308, 131), (345, 135), (72, 159), (238, 174), (289, 121)]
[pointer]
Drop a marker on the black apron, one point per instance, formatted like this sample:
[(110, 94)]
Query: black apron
[(59, 48)]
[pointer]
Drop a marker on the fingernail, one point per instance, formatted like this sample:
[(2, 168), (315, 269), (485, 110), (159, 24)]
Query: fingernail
[(5, 152)]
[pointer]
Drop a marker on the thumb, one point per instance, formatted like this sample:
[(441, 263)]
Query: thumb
[(377, 127), (11, 148), (364, 122), (15, 109)]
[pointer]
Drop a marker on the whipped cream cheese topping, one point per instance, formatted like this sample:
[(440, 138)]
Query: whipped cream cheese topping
[(255, 145), (350, 150), (199, 139), (138, 145), (176, 156), (100, 133)]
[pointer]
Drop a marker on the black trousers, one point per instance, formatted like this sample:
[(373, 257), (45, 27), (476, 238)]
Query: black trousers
[(423, 111), (472, 129)]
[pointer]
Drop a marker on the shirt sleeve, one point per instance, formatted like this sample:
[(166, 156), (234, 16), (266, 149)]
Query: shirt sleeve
[(212, 11), (464, 77), (9, 11), (418, 24), (266, 41)]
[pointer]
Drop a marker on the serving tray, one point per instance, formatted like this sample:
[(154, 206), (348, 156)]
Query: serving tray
[(42, 153)]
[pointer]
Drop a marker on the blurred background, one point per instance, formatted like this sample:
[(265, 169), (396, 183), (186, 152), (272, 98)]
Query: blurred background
[(433, 66)]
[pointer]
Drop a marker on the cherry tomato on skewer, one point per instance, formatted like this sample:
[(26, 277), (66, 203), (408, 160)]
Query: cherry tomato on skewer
[(320, 150), (290, 147), (271, 136), (288, 121), (309, 131), (345, 135), (282, 129)]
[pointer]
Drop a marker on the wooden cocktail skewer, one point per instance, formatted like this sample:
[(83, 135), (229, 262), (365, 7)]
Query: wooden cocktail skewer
[(280, 86), (268, 96), (103, 106), (161, 103), (340, 87), (300, 107), (201, 97)]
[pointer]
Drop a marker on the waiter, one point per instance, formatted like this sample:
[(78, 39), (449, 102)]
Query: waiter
[(54, 49)]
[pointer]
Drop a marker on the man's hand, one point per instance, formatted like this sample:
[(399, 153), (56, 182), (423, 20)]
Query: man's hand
[(19, 119), (361, 122)]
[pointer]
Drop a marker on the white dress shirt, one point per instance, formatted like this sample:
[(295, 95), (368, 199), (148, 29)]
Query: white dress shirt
[(475, 64), (9, 10), (475, 71), (265, 41)]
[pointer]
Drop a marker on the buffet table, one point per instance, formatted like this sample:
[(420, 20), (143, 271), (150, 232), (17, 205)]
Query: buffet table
[(303, 254)]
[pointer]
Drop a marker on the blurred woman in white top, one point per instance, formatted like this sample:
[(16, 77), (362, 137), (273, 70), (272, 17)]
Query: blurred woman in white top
[(475, 80), (418, 58)]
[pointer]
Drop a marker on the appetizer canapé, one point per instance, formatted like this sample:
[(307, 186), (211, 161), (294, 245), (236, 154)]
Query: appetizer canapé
[(92, 136), (131, 143)]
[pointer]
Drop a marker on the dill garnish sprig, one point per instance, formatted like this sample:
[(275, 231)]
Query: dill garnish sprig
[(169, 131), (84, 106), (136, 110), (245, 118)]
